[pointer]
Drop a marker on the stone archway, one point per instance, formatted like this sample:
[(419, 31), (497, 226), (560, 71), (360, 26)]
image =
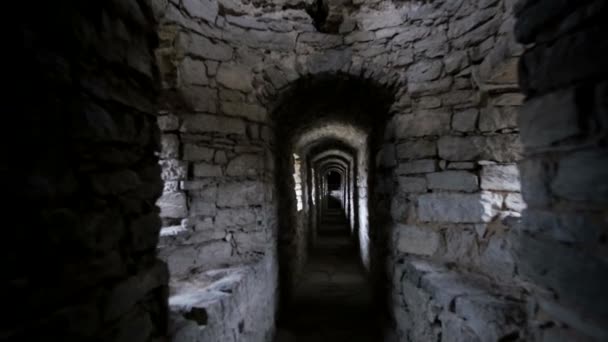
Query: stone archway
[(85, 178)]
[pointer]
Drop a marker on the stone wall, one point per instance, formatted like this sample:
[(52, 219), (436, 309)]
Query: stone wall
[(455, 145), (455, 198), (80, 263), (561, 247), (244, 85), (217, 207), (216, 194), (452, 143), (238, 78), (231, 304)]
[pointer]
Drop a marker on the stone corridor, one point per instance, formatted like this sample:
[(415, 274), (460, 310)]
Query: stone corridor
[(254, 170), (333, 301)]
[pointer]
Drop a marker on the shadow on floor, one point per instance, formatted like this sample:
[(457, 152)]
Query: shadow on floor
[(333, 301)]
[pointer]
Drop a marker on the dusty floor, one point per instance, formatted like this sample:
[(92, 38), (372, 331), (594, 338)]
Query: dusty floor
[(333, 302)]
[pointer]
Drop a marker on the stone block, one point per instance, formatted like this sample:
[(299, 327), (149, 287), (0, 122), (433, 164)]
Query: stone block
[(422, 123), (241, 194), (411, 34), (455, 329), (220, 157), (173, 205), (359, 36), (198, 184), (468, 23), (320, 40), (270, 40), (412, 184), (510, 100), (189, 43), (193, 72), (169, 146), (202, 208), (417, 166), (330, 61), (491, 318), (180, 261), (173, 169), (204, 123), (500, 177), (501, 148), (462, 166), (433, 46), (429, 102), (245, 165), (237, 77), (208, 193), (500, 64), (417, 240), (168, 122), (249, 111), (403, 58), (424, 71), (515, 202), (207, 170), (458, 208), (213, 254), (461, 246), (370, 21), (430, 87), (453, 180), (194, 152), (478, 35), (460, 98), (417, 149), (199, 99), (204, 9), (170, 186), (465, 121), (235, 217), (493, 119), (247, 22), (454, 148), (456, 61)]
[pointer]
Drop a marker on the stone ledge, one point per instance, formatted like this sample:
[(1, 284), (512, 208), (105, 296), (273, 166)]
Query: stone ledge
[(431, 293), (229, 304)]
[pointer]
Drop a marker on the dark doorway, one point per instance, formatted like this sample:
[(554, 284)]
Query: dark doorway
[(333, 181)]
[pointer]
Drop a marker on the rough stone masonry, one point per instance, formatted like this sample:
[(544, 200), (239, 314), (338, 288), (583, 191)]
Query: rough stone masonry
[(170, 171)]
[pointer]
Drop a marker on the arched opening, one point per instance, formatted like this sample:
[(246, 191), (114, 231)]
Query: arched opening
[(330, 239), (334, 180), (431, 201), (334, 183)]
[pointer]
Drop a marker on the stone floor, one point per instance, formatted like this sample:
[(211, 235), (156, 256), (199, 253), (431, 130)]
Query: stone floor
[(333, 300)]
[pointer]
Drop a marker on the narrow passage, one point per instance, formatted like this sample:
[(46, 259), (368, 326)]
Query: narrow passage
[(333, 301)]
